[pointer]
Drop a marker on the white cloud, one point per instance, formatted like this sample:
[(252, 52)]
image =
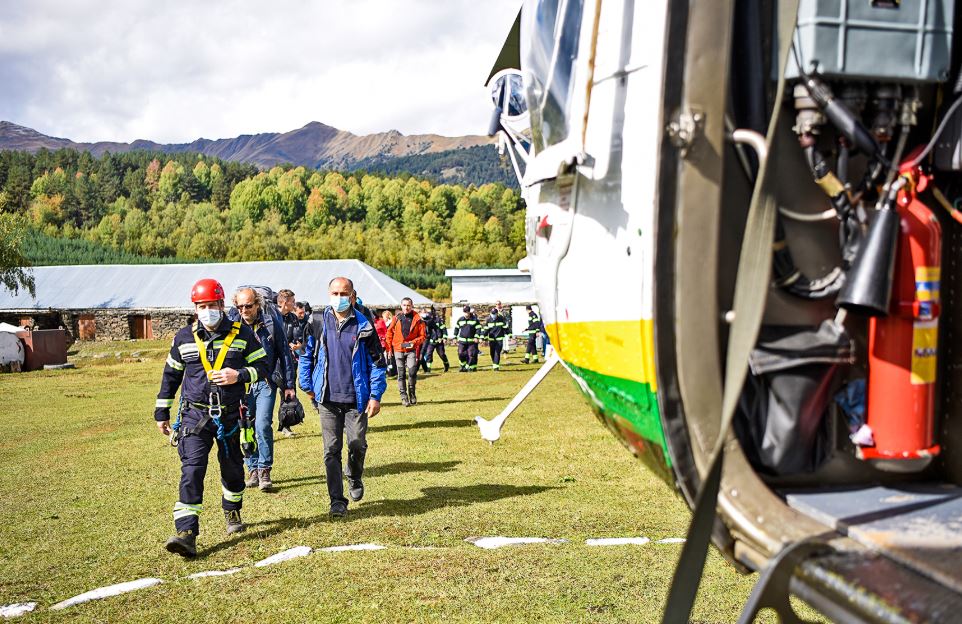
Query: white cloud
[(175, 71)]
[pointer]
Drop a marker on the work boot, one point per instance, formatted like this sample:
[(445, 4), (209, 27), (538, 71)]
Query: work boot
[(412, 398), (446, 366), (338, 510), (253, 478), (464, 369), (265, 480), (355, 489), (234, 522), (404, 401), (183, 544)]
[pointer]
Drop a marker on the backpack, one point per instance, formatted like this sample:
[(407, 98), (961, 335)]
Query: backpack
[(289, 414)]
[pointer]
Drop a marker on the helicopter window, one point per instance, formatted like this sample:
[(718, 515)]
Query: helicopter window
[(549, 57), (515, 105)]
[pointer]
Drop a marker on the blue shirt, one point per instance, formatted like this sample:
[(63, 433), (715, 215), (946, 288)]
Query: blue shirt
[(340, 337)]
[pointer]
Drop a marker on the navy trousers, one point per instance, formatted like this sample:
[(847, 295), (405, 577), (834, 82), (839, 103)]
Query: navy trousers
[(194, 451)]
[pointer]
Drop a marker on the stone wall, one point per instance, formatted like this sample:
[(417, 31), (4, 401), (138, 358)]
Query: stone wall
[(106, 324)]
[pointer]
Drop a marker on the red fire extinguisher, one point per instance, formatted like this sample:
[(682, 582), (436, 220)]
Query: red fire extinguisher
[(903, 346)]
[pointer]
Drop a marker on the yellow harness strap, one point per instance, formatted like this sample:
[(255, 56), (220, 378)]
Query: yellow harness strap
[(221, 355)]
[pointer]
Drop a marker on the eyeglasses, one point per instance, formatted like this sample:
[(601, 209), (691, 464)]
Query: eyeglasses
[(246, 306)]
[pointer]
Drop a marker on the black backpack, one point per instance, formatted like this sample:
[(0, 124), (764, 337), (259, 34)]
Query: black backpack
[(290, 413)]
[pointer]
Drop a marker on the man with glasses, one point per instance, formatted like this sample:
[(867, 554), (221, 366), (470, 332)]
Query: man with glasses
[(269, 330)]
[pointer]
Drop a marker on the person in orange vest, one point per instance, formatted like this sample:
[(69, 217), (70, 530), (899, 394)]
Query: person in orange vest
[(404, 339)]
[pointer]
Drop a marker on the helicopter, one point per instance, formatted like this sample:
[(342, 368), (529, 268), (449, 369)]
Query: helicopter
[(742, 227)]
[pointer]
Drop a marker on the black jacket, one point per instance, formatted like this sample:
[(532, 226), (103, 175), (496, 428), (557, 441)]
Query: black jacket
[(183, 366), (495, 328)]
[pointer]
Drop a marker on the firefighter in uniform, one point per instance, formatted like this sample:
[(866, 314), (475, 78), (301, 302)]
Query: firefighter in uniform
[(467, 332), (495, 329), (534, 326), (437, 332), (211, 360)]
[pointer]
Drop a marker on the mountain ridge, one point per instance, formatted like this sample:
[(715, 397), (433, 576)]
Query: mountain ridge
[(314, 145)]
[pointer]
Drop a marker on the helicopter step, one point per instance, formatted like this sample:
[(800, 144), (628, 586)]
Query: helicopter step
[(914, 524)]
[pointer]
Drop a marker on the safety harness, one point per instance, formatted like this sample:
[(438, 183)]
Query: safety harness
[(214, 407)]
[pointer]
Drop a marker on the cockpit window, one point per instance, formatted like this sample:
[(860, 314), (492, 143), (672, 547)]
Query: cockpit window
[(548, 55)]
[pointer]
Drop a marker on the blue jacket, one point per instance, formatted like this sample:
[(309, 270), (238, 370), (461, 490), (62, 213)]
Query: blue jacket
[(367, 361), (280, 362)]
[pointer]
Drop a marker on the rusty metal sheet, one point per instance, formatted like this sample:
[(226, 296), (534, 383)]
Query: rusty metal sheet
[(917, 525)]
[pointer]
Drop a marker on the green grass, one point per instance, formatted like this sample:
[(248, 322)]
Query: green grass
[(88, 487)]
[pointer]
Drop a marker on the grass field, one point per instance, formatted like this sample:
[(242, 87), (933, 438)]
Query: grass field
[(88, 486)]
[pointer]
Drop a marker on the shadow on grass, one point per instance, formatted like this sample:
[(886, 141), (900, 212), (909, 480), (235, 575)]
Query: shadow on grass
[(481, 400), (424, 424), (371, 472), (431, 499)]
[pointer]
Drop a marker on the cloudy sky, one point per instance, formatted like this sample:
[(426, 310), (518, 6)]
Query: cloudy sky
[(174, 71)]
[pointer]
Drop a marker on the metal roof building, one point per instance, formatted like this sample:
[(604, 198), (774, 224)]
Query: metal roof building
[(167, 286)]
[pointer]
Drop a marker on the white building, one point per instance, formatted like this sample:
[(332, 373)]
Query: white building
[(482, 288)]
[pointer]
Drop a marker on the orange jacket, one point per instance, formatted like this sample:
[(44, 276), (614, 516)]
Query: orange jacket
[(415, 337)]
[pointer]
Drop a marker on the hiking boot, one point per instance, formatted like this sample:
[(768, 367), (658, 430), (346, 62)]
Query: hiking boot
[(183, 544), (265, 480), (338, 510), (234, 522), (253, 478), (355, 489), (412, 398)]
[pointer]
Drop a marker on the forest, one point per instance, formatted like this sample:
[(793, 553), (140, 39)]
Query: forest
[(190, 207)]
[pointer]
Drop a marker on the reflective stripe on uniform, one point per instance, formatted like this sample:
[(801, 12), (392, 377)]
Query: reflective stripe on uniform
[(233, 497), (238, 345), (182, 510), (174, 364), (164, 403), (187, 349), (253, 372), (256, 355)]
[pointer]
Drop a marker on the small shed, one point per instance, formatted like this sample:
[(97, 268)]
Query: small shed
[(482, 288)]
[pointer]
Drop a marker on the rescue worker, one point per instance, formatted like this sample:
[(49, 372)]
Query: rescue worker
[(467, 332), (342, 369), (534, 326), (436, 333), (495, 329), (213, 359), (271, 333), (404, 340), (506, 313)]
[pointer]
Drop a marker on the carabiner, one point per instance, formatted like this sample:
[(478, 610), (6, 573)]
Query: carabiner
[(214, 408)]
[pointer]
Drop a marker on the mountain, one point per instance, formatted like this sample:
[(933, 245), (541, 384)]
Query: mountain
[(316, 145)]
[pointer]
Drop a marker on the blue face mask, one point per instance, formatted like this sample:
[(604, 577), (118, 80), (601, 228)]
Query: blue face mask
[(340, 303)]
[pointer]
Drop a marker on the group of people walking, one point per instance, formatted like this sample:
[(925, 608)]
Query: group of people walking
[(229, 365)]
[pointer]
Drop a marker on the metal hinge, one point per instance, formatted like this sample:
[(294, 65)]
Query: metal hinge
[(683, 130)]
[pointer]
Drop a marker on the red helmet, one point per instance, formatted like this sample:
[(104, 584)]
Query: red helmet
[(207, 290)]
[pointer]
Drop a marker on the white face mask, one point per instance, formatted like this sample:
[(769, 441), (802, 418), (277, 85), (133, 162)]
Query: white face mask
[(340, 303), (209, 317)]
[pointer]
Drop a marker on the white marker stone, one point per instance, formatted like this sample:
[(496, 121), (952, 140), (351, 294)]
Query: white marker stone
[(617, 541), (107, 592), (498, 541), (287, 555), (198, 575), (671, 540), (17, 609), (353, 547)]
